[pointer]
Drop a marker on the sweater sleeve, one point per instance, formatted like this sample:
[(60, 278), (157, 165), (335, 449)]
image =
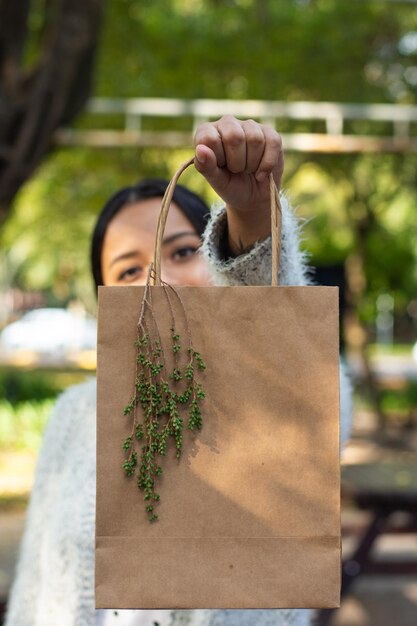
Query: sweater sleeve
[(254, 268), (23, 602)]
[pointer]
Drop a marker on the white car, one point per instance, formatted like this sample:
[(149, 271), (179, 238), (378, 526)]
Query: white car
[(50, 331)]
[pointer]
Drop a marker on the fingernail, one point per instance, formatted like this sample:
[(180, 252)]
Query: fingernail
[(201, 157), (260, 176)]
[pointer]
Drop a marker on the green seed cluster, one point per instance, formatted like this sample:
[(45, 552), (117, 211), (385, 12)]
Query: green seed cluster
[(163, 401)]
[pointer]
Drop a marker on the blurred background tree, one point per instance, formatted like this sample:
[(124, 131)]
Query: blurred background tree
[(46, 54), (359, 207)]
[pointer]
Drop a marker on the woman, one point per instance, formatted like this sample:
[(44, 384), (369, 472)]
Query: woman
[(55, 582)]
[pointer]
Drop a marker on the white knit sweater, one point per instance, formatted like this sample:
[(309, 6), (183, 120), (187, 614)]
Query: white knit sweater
[(54, 583)]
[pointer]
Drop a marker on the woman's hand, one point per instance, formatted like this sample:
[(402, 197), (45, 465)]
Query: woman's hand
[(236, 157)]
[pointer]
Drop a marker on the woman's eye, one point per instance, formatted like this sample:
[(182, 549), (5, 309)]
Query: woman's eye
[(184, 253), (130, 274)]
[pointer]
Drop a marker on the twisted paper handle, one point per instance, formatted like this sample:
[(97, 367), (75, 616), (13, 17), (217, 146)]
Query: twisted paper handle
[(276, 226)]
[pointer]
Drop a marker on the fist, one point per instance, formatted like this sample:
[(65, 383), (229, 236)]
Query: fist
[(236, 157)]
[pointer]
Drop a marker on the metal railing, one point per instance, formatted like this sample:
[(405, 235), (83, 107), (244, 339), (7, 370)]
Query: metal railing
[(136, 115)]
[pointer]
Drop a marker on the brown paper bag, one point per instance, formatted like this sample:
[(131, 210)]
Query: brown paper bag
[(249, 516)]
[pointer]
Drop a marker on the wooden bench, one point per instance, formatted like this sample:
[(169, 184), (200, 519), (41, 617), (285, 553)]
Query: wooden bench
[(383, 488)]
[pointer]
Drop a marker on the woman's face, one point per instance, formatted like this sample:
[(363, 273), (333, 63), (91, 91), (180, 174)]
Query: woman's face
[(129, 241)]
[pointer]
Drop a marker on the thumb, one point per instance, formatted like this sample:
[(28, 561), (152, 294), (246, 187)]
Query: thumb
[(205, 162)]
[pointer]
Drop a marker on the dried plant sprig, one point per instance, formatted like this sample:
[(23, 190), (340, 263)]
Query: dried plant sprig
[(163, 395)]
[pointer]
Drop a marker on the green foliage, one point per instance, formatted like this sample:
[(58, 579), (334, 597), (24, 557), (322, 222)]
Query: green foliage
[(363, 204), (34, 385), (400, 402), (26, 400), (47, 237), (334, 50), (22, 424), (267, 49)]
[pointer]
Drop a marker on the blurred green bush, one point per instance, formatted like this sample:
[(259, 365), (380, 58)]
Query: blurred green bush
[(400, 402), (22, 424), (26, 400)]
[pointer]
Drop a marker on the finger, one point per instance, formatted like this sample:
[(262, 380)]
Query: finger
[(255, 145), (234, 143), (206, 163), (272, 158), (208, 135)]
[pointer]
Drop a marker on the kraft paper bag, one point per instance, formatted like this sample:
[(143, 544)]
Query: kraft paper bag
[(249, 515)]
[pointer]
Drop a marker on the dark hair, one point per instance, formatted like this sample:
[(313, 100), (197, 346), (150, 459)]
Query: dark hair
[(193, 207)]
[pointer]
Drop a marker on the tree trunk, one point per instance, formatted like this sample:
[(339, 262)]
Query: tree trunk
[(33, 105), (356, 281)]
